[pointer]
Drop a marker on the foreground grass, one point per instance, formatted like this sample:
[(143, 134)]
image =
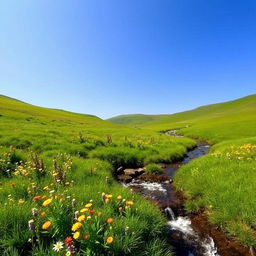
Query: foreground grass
[(70, 158), (223, 182)]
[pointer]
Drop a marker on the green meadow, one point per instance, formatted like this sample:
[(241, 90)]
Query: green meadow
[(57, 186), (222, 184)]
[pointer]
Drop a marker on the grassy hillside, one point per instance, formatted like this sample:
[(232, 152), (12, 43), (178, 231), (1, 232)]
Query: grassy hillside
[(216, 122), (221, 184), (56, 182)]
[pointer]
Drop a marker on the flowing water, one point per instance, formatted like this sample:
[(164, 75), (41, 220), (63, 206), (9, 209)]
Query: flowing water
[(184, 239)]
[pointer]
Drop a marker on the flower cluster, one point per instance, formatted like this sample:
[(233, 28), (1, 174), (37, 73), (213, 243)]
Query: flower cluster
[(244, 152), (89, 228)]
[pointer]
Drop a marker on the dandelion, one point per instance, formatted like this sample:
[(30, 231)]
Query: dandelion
[(110, 220), (81, 218), (109, 240), (58, 246), (76, 235), (76, 226), (47, 202), (46, 225)]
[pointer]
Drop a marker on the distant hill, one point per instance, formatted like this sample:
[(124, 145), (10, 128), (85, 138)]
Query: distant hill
[(214, 118), (19, 109)]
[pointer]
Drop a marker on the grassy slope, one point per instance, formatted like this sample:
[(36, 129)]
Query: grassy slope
[(216, 122), (88, 140), (223, 182)]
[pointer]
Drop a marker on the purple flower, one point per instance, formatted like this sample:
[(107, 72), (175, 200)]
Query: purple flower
[(72, 249), (34, 212)]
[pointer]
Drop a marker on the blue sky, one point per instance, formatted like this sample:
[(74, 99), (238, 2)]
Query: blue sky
[(110, 57)]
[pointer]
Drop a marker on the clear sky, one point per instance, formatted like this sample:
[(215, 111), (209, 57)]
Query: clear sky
[(110, 57)]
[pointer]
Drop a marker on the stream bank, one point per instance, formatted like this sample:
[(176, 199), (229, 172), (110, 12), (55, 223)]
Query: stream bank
[(189, 235)]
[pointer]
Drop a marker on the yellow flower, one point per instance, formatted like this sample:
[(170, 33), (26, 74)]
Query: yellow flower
[(55, 174), (76, 226), (76, 235), (81, 218), (88, 205), (129, 203), (109, 239), (46, 225), (46, 188), (47, 202), (21, 201), (108, 196), (84, 210), (119, 197)]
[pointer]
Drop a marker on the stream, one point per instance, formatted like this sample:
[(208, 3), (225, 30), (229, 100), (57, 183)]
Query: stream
[(182, 237)]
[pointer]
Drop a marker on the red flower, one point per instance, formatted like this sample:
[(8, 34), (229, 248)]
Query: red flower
[(68, 240), (91, 211), (35, 198)]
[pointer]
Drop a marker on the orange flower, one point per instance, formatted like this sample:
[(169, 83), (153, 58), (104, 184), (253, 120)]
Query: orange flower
[(43, 214), (35, 198), (99, 214), (109, 239), (129, 203), (43, 197), (86, 236), (110, 220), (46, 225)]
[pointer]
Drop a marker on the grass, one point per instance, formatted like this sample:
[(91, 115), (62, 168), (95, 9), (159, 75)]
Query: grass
[(223, 182), (70, 158)]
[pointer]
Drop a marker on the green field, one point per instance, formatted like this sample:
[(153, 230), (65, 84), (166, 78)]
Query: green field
[(222, 184), (54, 168)]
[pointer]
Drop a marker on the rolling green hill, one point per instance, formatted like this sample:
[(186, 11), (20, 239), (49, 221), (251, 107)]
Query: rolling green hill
[(55, 163), (214, 122)]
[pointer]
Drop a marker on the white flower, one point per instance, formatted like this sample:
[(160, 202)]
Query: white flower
[(58, 246)]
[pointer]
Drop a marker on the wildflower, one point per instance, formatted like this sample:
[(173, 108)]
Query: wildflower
[(86, 236), (21, 201), (88, 205), (35, 198), (99, 214), (43, 197), (46, 188), (91, 211), (119, 197), (43, 214), (58, 246), (47, 202), (68, 253), (76, 235), (110, 220), (76, 226), (109, 240), (55, 174), (68, 240), (81, 218), (34, 212), (72, 249), (129, 203), (84, 210), (31, 225), (46, 225)]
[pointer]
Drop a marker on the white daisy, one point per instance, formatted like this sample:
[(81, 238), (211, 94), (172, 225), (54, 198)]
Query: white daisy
[(58, 246)]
